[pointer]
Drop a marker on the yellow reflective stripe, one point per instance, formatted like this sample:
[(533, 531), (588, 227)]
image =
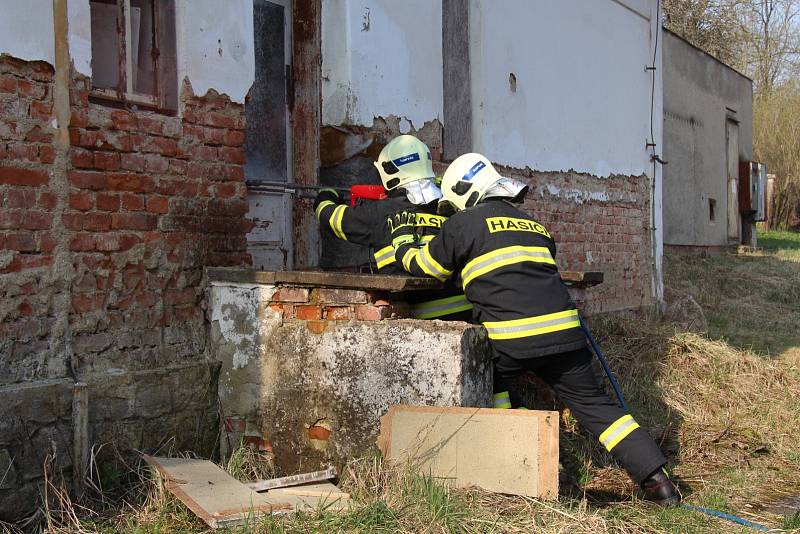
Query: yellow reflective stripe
[(384, 256), (426, 239), (440, 307), (502, 257), (408, 256), (502, 400), (336, 221), (617, 431), (322, 205), (533, 326), (431, 266)]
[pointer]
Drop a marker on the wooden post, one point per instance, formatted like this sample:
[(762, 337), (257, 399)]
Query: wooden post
[(80, 428)]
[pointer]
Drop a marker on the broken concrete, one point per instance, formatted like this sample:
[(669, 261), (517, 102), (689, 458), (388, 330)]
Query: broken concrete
[(312, 391)]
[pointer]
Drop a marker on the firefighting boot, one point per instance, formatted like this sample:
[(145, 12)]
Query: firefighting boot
[(659, 489)]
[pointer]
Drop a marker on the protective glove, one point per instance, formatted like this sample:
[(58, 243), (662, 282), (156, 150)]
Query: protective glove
[(403, 226)]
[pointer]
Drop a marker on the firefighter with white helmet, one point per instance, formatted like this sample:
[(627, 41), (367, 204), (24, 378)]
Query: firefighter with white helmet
[(406, 170), (505, 261)]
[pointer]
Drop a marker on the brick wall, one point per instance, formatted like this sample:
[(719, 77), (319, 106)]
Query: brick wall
[(599, 224), (103, 241)]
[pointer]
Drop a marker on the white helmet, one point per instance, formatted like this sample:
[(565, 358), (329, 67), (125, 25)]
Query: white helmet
[(470, 178), (404, 160)]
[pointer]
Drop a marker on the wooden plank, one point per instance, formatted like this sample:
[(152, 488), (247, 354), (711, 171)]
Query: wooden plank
[(324, 279), (313, 497), (504, 451), (293, 480), (324, 490), (212, 494)]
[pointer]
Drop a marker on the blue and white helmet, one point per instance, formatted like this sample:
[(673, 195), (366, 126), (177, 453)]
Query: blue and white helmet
[(472, 177)]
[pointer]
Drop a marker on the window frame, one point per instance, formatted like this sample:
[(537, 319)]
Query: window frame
[(165, 97)]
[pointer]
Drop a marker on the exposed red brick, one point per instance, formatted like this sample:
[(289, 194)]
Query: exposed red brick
[(47, 154), (47, 200), (317, 327), (120, 181), (226, 190), (232, 154), (133, 221), (233, 138), (82, 242), (291, 294), (8, 83), (21, 242), (25, 309), (341, 296), (157, 204), (107, 202), (83, 201), (338, 313), (150, 125), (106, 160), (22, 176), (40, 110), (132, 202), (372, 313), (82, 303), (23, 152), (307, 312), (83, 159), (319, 432), (124, 120), (20, 198), (87, 179), (31, 90), (132, 162), (38, 135), (47, 243)]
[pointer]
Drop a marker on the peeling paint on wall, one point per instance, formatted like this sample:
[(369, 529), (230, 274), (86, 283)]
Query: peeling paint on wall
[(381, 58), (26, 30), (215, 46)]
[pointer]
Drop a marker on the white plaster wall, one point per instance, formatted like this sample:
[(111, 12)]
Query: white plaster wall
[(582, 99), (215, 46), (80, 35), (380, 58), (26, 30)]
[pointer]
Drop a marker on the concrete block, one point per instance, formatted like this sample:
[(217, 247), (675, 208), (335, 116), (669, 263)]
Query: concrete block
[(504, 451), (318, 396)]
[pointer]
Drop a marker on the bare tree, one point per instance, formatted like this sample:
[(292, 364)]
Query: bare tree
[(712, 25), (771, 41)]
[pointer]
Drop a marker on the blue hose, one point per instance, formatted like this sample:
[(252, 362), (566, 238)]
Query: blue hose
[(729, 517), (611, 378)]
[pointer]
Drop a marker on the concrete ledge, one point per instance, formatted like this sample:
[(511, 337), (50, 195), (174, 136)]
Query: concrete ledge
[(377, 282)]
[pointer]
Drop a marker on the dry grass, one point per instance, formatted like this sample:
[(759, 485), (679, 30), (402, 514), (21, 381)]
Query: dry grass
[(724, 407)]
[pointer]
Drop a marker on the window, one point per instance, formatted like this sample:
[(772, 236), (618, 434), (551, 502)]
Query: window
[(712, 208), (133, 52)]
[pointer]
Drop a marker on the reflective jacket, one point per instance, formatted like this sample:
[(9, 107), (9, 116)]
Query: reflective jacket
[(505, 261), (366, 224)]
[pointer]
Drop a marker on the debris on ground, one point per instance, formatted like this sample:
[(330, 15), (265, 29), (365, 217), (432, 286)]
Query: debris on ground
[(222, 501)]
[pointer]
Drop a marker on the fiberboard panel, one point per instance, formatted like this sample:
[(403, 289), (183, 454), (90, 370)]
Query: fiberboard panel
[(504, 451)]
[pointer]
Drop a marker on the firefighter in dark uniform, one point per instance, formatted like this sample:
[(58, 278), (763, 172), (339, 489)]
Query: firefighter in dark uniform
[(505, 262), (406, 171)]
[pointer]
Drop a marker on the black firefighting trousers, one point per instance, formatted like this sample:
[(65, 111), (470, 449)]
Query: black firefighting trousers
[(571, 375)]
